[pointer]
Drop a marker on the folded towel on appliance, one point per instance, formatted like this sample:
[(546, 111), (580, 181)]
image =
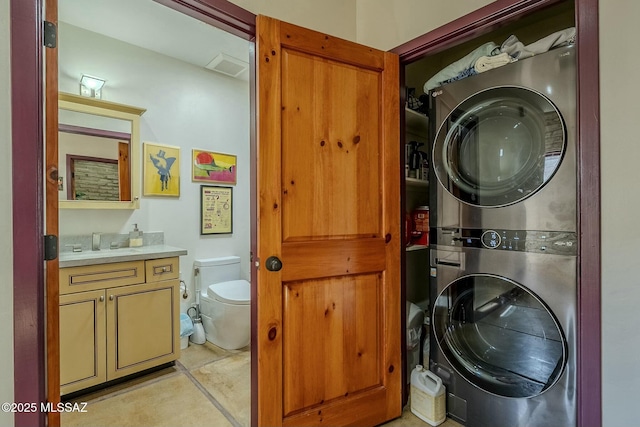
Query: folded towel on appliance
[(460, 66), (186, 325), (518, 50), (486, 63), (464, 74)]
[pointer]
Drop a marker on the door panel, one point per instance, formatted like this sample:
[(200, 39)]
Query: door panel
[(328, 108), (338, 317), (328, 323)]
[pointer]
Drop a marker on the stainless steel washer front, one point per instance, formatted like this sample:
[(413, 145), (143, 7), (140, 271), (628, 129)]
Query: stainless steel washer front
[(503, 328)]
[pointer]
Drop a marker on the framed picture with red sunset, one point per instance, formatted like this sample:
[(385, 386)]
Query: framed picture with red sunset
[(212, 167)]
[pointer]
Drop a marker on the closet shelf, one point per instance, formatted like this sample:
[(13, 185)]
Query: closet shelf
[(416, 122), (416, 182)]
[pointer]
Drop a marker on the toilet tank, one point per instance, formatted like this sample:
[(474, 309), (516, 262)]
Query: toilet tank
[(215, 270)]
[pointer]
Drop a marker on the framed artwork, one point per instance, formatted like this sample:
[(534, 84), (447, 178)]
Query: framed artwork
[(216, 210), (207, 166), (161, 170)]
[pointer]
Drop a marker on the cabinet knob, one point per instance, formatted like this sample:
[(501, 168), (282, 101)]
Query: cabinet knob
[(164, 269), (101, 298), (111, 297)]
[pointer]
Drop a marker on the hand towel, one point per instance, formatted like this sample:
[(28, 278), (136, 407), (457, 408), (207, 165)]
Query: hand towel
[(486, 63), (456, 68), (186, 325), (518, 50)]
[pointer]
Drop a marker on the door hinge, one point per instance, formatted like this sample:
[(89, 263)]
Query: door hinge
[(50, 247), (50, 35)]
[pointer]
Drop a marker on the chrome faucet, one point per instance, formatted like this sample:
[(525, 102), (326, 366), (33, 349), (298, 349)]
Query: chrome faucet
[(76, 247), (95, 242)]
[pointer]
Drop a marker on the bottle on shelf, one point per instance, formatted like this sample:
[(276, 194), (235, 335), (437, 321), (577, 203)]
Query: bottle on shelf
[(424, 171), (415, 159)]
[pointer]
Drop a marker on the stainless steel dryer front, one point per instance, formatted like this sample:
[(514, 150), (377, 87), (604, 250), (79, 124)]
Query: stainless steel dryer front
[(504, 153), (504, 326)]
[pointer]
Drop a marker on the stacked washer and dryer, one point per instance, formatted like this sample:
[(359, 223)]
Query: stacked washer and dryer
[(504, 245)]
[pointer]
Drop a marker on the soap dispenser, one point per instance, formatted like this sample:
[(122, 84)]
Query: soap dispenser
[(135, 237)]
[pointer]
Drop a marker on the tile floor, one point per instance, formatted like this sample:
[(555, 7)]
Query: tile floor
[(208, 386)]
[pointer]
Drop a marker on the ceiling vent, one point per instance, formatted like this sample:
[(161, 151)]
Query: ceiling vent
[(227, 65)]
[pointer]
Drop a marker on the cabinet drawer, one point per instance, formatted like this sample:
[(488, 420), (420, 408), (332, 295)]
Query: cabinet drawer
[(92, 277), (162, 269)]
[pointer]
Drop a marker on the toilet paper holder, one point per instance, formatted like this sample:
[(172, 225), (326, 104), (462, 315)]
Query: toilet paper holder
[(183, 287)]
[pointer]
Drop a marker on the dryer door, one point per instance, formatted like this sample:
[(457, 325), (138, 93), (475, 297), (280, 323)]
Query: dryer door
[(499, 336), (499, 146)]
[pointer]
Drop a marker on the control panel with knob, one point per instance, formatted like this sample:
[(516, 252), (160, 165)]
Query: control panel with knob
[(549, 242)]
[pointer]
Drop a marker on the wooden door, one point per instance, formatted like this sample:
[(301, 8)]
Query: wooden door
[(328, 322)]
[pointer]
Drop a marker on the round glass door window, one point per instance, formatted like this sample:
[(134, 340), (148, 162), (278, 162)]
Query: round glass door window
[(499, 146), (499, 336)]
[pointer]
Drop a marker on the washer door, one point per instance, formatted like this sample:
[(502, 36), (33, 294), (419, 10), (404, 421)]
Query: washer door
[(499, 146), (499, 336)]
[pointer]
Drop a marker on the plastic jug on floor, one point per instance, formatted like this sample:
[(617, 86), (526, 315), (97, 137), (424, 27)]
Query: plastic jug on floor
[(428, 401)]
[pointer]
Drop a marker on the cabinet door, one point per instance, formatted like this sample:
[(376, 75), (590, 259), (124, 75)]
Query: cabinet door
[(143, 327), (82, 340)]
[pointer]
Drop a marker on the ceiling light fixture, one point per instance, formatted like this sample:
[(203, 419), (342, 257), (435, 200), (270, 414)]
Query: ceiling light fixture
[(91, 86)]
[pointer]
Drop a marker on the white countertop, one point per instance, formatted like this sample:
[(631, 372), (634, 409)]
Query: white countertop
[(105, 256)]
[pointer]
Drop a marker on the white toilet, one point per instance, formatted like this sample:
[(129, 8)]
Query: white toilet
[(224, 302)]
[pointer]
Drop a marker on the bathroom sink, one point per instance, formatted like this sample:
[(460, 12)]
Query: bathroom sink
[(73, 259)]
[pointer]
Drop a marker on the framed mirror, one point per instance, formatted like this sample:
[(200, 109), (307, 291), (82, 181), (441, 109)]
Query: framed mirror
[(98, 153)]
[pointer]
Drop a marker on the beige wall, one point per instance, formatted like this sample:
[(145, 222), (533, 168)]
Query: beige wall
[(620, 160), (381, 24), (385, 24), (335, 17), (6, 260)]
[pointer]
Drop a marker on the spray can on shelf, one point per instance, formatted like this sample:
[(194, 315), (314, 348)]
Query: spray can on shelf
[(420, 233), (424, 171)]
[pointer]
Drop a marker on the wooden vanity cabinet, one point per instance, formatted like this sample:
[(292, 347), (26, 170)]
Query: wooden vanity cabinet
[(114, 331)]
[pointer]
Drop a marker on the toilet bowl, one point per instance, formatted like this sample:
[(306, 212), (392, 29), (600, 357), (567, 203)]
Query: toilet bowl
[(226, 316)]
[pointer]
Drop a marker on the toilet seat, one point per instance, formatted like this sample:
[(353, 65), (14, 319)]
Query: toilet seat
[(236, 292)]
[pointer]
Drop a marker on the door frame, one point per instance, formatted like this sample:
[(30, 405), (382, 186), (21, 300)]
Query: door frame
[(28, 190)]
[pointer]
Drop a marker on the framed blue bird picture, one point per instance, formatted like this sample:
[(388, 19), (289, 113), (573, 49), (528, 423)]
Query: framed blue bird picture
[(161, 170)]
